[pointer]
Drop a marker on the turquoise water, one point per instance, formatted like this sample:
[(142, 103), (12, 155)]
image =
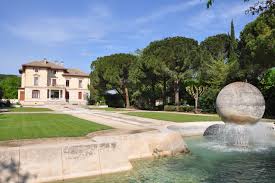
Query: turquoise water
[(208, 163)]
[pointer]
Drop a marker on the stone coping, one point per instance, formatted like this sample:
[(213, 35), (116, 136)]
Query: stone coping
[(51, 161)]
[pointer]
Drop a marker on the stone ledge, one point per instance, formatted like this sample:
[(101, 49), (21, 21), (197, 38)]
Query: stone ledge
[(99, 155)]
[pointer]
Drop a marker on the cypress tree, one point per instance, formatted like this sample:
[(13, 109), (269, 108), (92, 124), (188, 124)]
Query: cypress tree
[(232, 31), (233, 42)]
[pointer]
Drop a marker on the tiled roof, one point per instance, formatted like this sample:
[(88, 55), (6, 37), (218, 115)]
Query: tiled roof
[(51, 65), (75, 72), (44, 63)]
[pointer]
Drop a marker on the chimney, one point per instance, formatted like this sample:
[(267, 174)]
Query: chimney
[(45, 60), (61, 63)]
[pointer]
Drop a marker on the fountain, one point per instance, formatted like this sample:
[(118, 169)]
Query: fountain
[(241, 106), (227, 154)]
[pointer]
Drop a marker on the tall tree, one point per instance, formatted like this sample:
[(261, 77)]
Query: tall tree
[(218, 67), (233, 56), (233, 43), (218, 46), (177, 57), (112, 72), (1, 93), (232, 31), (10, 86), (257, 45), (146, 76)]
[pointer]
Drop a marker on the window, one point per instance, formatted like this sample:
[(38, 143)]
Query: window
[(36, 69), (35, 94), (54, 71), (80, 84), (61, 93), (53, 82), (35, 81), (79, 95), (54, 94), (67, 83)]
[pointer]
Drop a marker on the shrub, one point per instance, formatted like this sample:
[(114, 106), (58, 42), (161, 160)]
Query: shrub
[(182, 108), (170, 108), (208, 100), (186, 108)]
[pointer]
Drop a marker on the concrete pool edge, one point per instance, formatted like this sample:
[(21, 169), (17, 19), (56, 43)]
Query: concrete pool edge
[(95, 156)]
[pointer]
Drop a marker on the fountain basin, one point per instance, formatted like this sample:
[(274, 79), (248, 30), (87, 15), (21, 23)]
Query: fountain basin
[(85, 157), (204, 164)]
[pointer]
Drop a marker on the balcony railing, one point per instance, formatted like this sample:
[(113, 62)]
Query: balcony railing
[(56, 85)]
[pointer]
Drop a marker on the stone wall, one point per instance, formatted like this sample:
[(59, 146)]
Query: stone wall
[(108, 154)]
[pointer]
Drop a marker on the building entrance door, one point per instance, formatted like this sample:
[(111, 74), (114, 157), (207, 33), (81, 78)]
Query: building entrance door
[(22, 96), (55, 94)]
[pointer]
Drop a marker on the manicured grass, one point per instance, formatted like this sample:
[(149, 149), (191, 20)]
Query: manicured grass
[(28, 109), (109, 109), (174, 116), (31, 126)]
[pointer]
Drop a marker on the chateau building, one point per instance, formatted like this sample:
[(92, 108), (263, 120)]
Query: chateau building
[(45, 82)]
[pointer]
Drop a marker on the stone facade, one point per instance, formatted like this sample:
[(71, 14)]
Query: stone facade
[(44, 82)]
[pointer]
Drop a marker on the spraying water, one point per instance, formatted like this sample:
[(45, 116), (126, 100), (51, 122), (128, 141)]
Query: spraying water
[(244, 136)]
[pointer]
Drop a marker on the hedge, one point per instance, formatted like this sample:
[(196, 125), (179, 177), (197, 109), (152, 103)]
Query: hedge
[(182, 108)]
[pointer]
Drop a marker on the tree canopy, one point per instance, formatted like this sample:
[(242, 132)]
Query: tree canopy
[(218, 46), (177, 58), (112, 72), (174, 71), (257, 45), (9, 86)]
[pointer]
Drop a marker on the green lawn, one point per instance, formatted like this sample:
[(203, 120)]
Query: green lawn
[(28, 109), (31, 126), (174, 117), (109, 109)]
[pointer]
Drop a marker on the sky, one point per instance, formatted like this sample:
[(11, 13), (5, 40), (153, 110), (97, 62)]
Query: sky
[(78, 31)]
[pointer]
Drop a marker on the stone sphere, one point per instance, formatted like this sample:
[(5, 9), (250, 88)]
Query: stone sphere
[(240, 103), (213, 130)]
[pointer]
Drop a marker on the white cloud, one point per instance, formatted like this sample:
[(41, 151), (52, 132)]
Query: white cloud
[(235, 10), (174, 8), (53, 30), (100, 10), (99, 25)]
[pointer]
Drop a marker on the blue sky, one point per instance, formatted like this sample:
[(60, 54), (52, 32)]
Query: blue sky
[(78, 31)]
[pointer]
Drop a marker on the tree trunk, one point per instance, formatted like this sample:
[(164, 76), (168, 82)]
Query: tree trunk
[(127, 101), (164, 92), (153, 102), (196, 104), (177, 95)]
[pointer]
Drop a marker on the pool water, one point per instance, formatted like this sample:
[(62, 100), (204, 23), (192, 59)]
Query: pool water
[(206, 163)]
